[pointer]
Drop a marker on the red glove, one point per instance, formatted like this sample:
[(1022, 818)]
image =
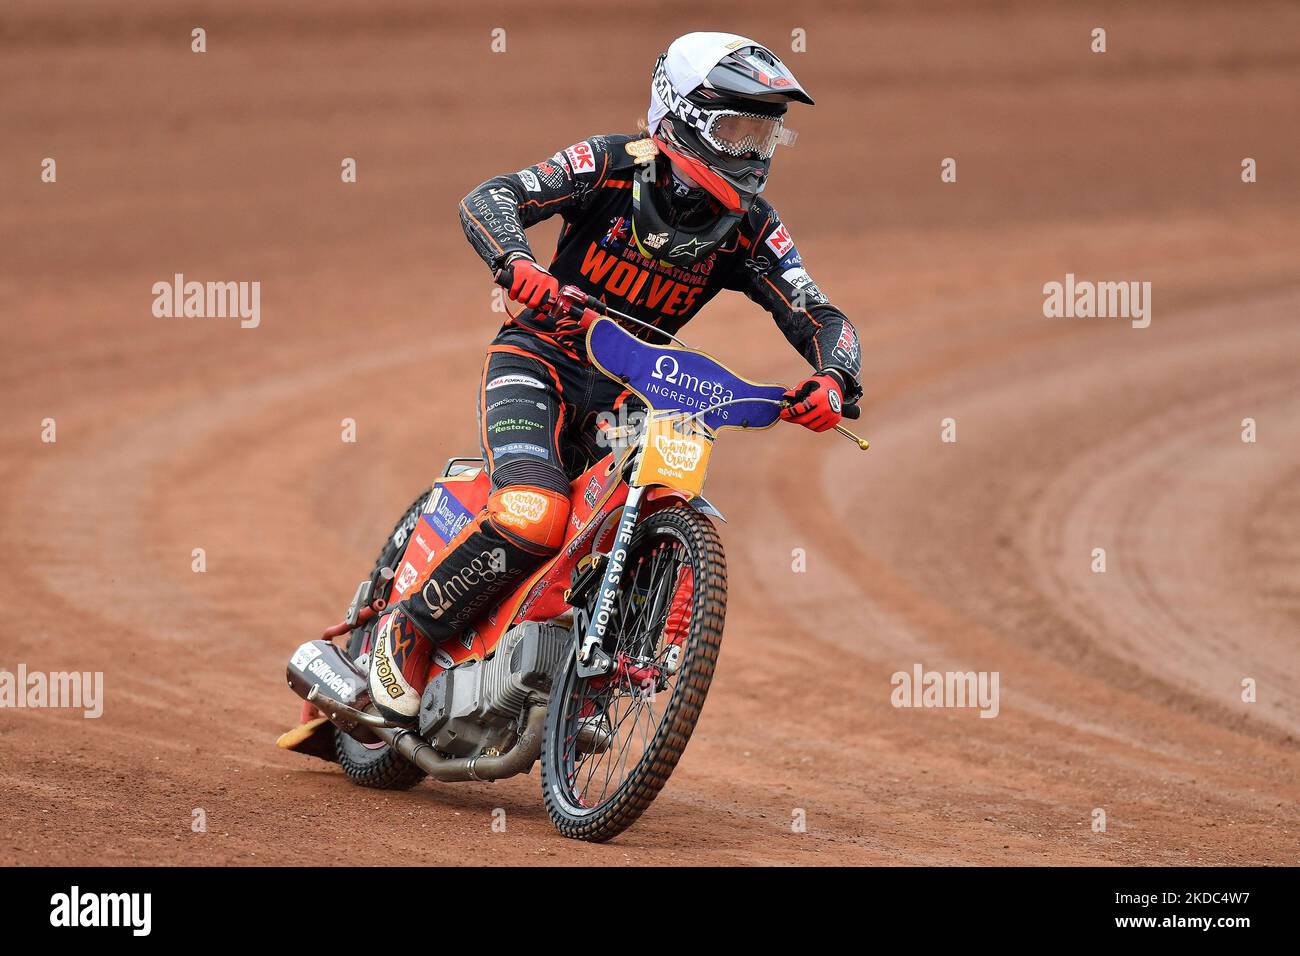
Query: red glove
[(817, 403), (532, 285)]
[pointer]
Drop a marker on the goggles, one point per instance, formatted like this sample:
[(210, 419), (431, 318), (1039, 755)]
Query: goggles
[(744, 134), (730, 132)]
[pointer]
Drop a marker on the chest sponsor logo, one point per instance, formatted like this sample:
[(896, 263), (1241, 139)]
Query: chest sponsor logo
[(581, 159), (648, 288), (688, 249)]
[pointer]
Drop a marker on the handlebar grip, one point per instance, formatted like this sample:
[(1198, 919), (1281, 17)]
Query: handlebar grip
[(851, 412), (804, 390), (505, 277)]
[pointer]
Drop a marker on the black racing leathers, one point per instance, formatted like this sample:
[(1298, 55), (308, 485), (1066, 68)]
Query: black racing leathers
[(589, 185), (540, 396)]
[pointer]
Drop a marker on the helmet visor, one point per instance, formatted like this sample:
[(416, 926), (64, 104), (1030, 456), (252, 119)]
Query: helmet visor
[(743, 134)]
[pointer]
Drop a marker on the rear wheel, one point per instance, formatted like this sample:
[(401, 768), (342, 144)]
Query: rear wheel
[(376, 765), (612, 741)]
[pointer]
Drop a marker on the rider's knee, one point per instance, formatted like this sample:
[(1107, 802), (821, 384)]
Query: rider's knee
[(530, 503), (535, 517)]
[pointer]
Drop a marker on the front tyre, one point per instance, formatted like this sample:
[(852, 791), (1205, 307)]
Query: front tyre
[(612, 741)]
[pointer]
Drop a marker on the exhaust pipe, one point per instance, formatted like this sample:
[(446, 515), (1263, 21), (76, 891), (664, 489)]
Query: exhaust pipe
[(326, 677), (485, 767)]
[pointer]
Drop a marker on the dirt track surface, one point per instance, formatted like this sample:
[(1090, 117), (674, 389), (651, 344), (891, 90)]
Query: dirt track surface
[(1119, 691)]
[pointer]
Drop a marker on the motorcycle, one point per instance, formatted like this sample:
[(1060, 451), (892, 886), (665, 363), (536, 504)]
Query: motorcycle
[(599, 662)]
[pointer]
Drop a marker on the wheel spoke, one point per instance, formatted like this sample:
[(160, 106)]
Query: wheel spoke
[(633, 703)]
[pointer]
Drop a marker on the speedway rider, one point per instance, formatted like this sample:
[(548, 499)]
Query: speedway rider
[(655, 226)]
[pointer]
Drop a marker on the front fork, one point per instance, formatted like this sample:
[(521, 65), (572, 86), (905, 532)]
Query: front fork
[(593, 661)]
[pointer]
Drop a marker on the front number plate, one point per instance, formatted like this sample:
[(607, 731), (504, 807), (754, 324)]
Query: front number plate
[(675, 452)]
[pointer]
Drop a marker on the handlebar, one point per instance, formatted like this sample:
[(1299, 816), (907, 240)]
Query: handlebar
[(573, 303)]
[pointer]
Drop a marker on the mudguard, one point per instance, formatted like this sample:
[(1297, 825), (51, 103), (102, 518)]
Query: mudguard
[(699, 502)]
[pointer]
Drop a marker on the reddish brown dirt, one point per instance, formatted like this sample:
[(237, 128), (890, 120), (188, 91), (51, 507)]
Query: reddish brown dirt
[(1120, 691)]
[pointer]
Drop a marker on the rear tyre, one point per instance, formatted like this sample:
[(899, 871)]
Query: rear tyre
[(376, 765), (596, 793)]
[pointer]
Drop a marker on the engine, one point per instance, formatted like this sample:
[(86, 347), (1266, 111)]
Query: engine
[(476, 707)]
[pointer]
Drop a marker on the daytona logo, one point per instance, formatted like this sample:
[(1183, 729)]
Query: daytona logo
[(382, 664)]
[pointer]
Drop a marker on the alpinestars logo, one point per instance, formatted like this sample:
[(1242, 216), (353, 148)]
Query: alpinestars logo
[(688, 249), (680, 454)]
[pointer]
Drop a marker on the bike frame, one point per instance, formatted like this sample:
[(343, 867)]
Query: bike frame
[(665, 465), (592, 659)]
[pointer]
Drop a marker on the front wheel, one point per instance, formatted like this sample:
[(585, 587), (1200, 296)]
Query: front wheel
[(612, 741)]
